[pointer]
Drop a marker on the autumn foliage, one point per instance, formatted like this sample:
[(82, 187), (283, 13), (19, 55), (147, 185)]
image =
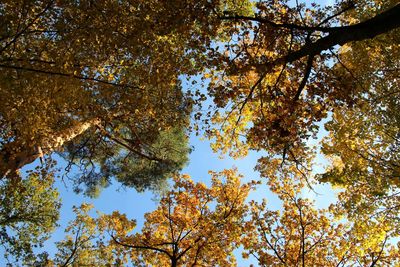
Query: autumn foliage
[(102, 84)]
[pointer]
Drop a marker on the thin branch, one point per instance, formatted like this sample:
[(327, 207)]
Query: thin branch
[(297, 162), (305, 77), (170, 221), (348, 70), (130, 148), (380, 252), (350, 6), (140, 246), (302, 250), (288, 26), (27, 26), (249, 96), (79, 77), (270, 245), (74, 250)]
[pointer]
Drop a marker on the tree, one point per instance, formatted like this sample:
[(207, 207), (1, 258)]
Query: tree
[(79, 248), (99, 82), (301, 235), (278, 76), (81, 245), (193, 225), (286, 68), (29, 211), (363, 140)]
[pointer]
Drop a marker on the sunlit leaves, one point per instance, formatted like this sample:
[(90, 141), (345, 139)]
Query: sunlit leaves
[(280, 61), (194, 224), (98, 81), (29, 212), (299, 234), (363, 139)]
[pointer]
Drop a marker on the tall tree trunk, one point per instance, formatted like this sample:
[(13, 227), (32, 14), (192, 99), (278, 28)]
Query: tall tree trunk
[(14, 155), (174, 262), (380, 24)]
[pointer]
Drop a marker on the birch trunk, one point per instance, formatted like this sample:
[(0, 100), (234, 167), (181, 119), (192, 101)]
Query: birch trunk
[(14, 156)]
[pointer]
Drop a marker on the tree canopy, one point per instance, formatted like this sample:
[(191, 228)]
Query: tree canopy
[(97, 81), (299, 234), (196, 225), (29, 212), (282, 70), (289, 69), (101, 84)]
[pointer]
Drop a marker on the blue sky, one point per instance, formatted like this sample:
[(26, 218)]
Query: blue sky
[(135, 204)]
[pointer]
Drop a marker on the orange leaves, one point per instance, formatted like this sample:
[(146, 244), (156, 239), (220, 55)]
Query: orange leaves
[(301, 235), (58, 71), (119, 224), (278, 79), (194, 224), (279, 68), (99, 81)]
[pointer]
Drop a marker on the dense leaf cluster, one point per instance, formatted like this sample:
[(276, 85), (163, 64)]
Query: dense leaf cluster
[(100, 83)]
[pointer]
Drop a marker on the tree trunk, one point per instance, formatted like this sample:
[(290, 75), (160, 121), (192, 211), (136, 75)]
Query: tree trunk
[(174, 262), (382, 23), (13, 156)]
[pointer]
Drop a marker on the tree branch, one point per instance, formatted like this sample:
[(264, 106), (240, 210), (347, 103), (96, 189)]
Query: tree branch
[(305, 77), (140, 246), (74, 76), (288, 26), (380, 24)]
